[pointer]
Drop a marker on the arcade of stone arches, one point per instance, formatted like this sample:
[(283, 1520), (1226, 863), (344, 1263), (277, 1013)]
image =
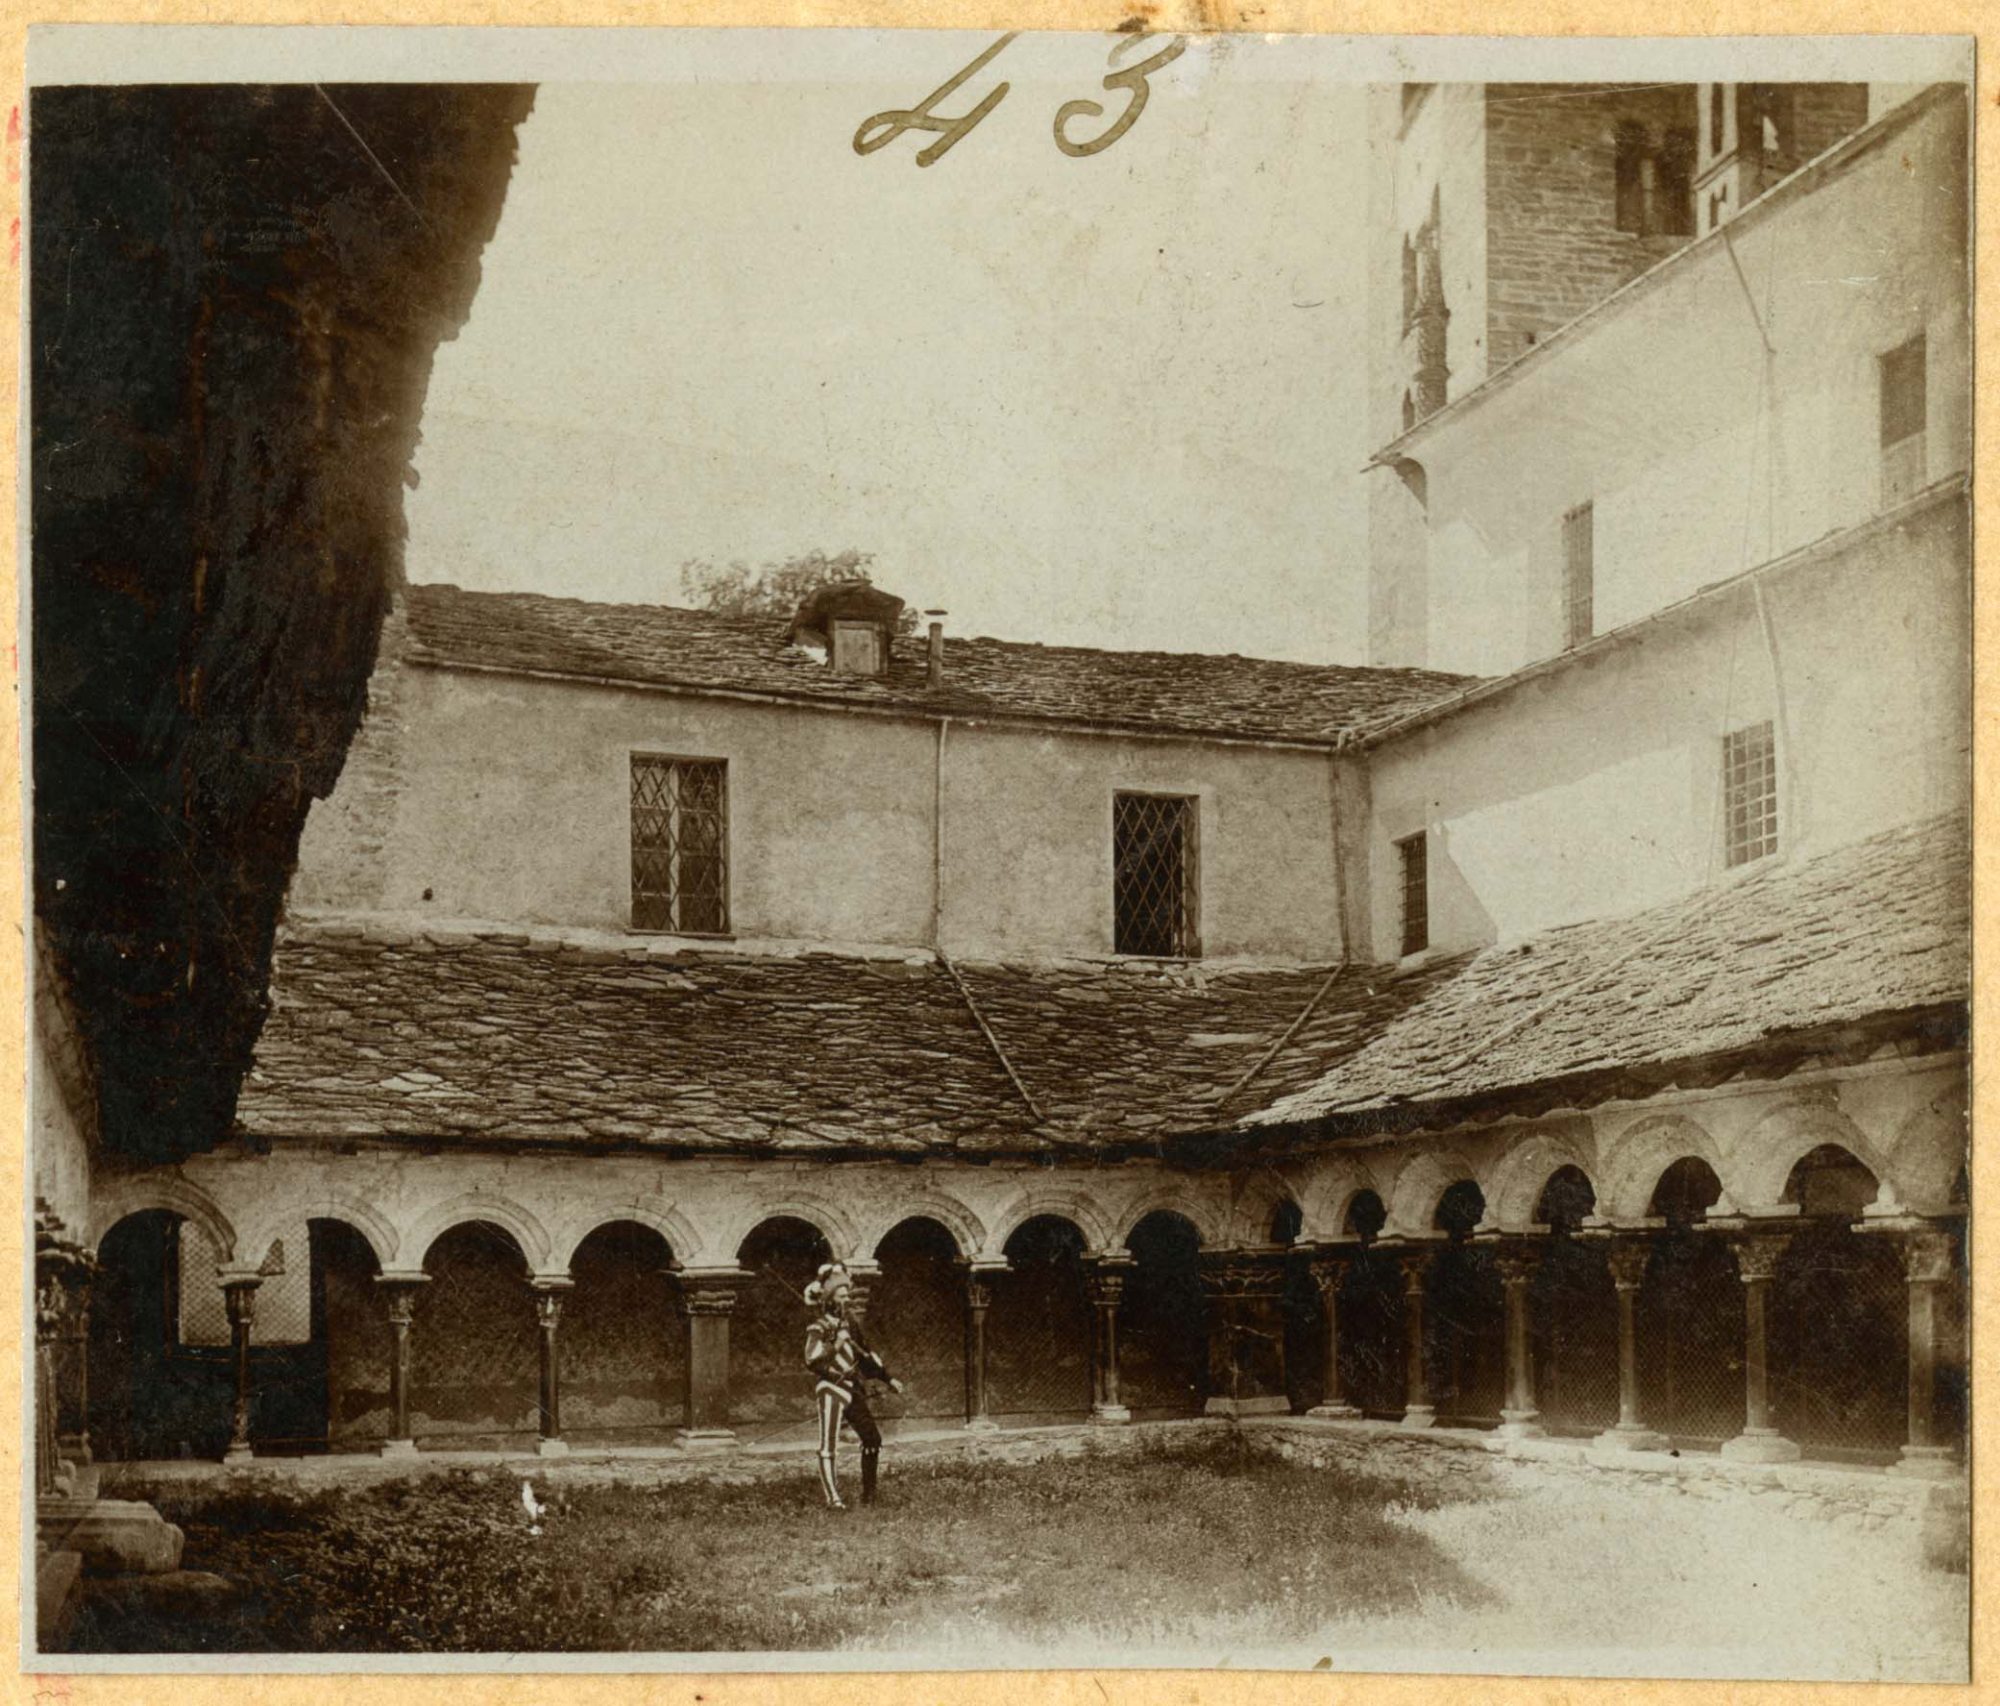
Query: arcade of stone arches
[(1765, 1299)]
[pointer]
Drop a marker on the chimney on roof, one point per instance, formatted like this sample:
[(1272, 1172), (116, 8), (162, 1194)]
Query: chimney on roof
[(934, 674)]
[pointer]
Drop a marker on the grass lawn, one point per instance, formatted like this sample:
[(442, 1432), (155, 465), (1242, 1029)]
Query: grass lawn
[(1149, 1546)]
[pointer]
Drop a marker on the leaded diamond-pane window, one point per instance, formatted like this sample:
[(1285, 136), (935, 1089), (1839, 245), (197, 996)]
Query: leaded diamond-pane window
[(1750, 793), (1154, 875), (1413, 855), (680, 845)]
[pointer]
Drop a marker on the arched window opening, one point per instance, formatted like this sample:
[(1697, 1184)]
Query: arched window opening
[(1163, 1321)]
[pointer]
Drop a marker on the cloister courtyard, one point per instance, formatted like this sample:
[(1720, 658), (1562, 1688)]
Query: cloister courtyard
[(1261, 1543)]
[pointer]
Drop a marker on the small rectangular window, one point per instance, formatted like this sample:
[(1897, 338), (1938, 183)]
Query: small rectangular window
[(857, 648), (1579, 574), (1414, 853), (1905, 404), (1750, 794), (1154, 885), (680, 845)]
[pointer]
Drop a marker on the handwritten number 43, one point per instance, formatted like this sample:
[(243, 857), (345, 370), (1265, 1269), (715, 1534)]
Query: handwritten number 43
[(885, 127)]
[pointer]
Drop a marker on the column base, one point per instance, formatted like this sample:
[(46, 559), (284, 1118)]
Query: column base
[(1927, 1463), (398, 1448), (238, 1454), (552, 1448), (703, 1440), (1635, 1437), (1521, 1424), (1109, 1415), (1335, 1413), (982, 1425), (1760, 1445), (1272, 1404), (1419, 1416)]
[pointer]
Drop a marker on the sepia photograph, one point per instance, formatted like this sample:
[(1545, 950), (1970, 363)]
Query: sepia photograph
[(927, 850)]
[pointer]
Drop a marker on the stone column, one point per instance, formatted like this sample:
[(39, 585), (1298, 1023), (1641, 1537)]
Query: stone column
[(549, 1294), (1757, 1256), (1519, 1418), (1242, 1290), (72, 1366), (708, 1298), (239, 1298), (399, 1293), (1417, 1409), (861, 1277), (1927, 1263), (978, 1299), (1329, 1275), (1107, 1286), (1626, 1258)]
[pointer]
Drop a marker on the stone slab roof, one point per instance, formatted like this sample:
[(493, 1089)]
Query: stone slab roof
[(382, 1030), (664, 646), (1859, 935), (387, 1030)]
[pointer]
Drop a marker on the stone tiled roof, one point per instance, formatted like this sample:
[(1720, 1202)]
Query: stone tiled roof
[(660, 645), (386, 1030), (1863, 934), (390, 1031)]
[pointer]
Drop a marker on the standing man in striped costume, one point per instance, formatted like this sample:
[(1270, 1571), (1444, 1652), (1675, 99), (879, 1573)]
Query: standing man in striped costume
[(841, 1362)]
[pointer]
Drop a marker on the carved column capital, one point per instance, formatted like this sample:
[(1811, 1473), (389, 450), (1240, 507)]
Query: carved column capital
[(1107, 1284), (239, 1298), (1516, 1264), (399, 1295), (1928, 1256), (1627, 1259), (1758, 1255), (549, 1295), (1330, 1273)]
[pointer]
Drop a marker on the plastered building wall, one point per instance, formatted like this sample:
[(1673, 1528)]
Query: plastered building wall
[(512, 802), (1762, 436), (1595, 788)]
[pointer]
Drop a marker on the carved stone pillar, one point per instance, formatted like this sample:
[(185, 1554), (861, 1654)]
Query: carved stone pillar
[(1519, 1418), (978, 1299), (72, 1365), (239, 1300), (1757, 1257), (1417, 1409), (1107, 1286), (549, 1295), (1927, 1263), (861, 1278), (399, 1295), (1242, 1292), (708, 1299), (1626, 1258), (1329, 1275)]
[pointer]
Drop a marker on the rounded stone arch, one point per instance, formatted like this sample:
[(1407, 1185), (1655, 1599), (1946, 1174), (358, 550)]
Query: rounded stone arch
[(489, 1206), (164, 1191), (673, 1226), (1075, 1207), (967, 1230), (1638, 1157), (360, 1216), (1325, 1191), (1419, 1185), (1209, 1225), (1518, 1178), (1250, 1214), (827, 1218), (1926, 1155), (1762, 1159)]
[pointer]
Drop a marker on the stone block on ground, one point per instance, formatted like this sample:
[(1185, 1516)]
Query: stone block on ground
[(115, 1536)]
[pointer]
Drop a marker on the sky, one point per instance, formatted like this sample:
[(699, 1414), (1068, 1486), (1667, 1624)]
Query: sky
[(1111, 401)]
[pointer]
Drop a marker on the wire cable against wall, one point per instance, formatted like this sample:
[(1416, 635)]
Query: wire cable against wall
[(992, 1042)]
